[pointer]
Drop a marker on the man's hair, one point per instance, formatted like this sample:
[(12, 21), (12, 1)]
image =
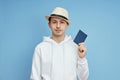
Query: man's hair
[(50, 20)]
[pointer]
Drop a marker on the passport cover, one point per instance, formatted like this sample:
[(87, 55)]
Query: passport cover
[(80, 37)]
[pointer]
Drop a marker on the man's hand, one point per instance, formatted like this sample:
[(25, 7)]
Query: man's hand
[(82, 50)]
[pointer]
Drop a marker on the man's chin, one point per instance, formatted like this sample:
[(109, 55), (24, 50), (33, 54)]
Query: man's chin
[(58, 35)]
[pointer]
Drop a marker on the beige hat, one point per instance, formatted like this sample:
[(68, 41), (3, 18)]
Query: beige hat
[(61, 13)]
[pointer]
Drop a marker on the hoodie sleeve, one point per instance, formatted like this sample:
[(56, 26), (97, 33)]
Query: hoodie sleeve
[(36, 67), (82, 69)]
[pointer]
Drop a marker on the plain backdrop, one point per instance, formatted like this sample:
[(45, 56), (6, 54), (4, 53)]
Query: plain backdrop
[(23, 25)]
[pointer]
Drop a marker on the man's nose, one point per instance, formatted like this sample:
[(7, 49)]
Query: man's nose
[(58, 25)]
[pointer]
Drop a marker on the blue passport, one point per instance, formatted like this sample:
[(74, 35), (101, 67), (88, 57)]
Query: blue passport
[(80, 37)]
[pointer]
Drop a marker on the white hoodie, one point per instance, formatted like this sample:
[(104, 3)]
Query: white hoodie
[(53, 61)]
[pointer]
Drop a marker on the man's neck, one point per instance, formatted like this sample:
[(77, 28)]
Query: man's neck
[(58, 39)]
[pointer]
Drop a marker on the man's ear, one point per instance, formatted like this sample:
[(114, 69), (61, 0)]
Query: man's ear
[(49, 24), (67, 26)]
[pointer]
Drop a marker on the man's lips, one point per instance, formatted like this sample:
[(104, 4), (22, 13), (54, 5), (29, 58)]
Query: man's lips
[(58, 30)]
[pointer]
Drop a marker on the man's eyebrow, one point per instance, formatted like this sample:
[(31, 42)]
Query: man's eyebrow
[(53, 20), (62, 20)]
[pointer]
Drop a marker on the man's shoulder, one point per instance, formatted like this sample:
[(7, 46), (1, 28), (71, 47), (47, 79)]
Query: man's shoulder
[(41, 44)]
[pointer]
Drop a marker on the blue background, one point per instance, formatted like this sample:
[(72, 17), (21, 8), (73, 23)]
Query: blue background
[(22, 26)]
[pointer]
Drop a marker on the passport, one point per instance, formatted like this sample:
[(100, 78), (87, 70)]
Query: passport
[(80, 37)]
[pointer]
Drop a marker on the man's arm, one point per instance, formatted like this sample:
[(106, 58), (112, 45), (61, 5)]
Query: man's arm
[(82, 69), (36, 66), (82, 65)]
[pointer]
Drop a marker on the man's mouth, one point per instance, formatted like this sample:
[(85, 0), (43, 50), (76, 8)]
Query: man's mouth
[(58, 30)]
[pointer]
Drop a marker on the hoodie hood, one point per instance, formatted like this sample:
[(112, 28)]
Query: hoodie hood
[(49, 40)]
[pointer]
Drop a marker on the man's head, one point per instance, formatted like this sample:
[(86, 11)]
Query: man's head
[(58, 21)]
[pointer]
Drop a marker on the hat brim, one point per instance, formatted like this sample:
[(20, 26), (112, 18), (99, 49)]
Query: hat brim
[(47, 17)]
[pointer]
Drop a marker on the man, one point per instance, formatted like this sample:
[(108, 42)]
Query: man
[(58, 57)]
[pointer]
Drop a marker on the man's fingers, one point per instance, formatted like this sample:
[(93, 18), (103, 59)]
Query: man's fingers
[(81, 43), (80, 49)]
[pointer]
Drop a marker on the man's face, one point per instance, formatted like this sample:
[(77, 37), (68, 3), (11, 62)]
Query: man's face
[(58, 26)]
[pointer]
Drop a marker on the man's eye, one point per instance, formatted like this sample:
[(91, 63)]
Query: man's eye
[(62, 22), (54, 22)]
